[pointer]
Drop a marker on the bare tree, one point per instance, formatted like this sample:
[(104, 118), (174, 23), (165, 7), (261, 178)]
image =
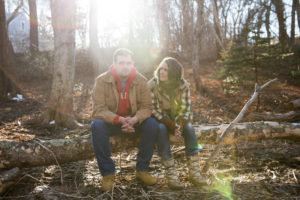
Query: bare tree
[(279, 7), (60, 104), (217, 25), (267, 20), (298, 13), (187, 27), (163, 22), (34, 41), (199, 30), (293, 13), (93, 33), (7, 82)]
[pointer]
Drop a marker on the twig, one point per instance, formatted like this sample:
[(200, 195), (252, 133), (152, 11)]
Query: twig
[(61, 174), (231, 125)]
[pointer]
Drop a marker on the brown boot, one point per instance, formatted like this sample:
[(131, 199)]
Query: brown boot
[(146, 178), (195, 176), (108, 182), (171, 175)]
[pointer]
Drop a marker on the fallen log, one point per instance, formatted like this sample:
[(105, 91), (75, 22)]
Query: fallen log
[(296, 103), (292, 116), (8, 177), (58, 151)]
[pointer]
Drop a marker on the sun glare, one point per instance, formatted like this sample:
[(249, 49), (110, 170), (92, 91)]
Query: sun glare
[(114, 18)]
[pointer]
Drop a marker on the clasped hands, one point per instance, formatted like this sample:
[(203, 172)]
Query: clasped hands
[(127, 124)]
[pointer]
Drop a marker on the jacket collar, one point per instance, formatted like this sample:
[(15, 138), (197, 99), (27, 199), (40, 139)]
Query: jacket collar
[(108, 77)]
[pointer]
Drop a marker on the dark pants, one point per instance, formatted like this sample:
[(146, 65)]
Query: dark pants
[(190, 141), (101, 131)]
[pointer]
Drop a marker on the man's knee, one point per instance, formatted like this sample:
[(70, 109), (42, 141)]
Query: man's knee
[(97, 125), (150, 121), (162, 128)]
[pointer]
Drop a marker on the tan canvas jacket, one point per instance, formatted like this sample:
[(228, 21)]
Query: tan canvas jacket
[(106, 98)]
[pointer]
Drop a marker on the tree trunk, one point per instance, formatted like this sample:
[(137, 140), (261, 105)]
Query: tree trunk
[(60, 105), (197, 46), (34, 42), (94, 44), (7, 82), (298, 13), (279, 7), (37, 153), (187, 27), (267, 22), (163, 23), (217, 27)]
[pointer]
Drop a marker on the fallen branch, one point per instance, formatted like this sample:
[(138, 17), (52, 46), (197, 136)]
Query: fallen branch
[(292, 116), (236, 120)]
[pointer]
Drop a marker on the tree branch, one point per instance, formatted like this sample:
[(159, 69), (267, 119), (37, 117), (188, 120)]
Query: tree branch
[(231, 125), (15, 13)]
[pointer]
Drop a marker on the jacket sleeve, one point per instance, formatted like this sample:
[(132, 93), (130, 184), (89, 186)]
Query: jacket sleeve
[(100, 109), (185, 113), (144, 106)]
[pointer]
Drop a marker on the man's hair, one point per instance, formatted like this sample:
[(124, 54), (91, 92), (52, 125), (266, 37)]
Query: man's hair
[(121, 52)]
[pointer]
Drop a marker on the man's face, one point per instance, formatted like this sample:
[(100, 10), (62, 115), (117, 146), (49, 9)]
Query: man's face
[(123, 66)]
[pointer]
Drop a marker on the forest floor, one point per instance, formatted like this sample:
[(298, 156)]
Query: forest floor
[(266, 169)]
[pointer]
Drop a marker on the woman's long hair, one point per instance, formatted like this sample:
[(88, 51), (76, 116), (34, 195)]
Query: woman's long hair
[(175, 69)]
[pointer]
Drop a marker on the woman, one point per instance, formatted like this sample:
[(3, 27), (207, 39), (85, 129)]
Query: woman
[(172, 108)]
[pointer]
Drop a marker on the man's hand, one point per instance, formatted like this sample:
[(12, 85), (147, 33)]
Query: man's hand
[(128, 124)]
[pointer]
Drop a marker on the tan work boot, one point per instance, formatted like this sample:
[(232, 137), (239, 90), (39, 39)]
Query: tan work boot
[(195, 176), (108, 182), (146, 178), (171, 175)]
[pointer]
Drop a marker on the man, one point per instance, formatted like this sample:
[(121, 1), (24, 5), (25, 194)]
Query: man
[(122, 104)]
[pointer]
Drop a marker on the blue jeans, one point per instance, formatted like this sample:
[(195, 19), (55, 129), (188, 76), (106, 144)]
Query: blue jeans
[(101, 131), (190, 141)]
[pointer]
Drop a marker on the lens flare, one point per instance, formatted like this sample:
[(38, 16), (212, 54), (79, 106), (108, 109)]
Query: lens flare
[(222, 184), (200, 146)]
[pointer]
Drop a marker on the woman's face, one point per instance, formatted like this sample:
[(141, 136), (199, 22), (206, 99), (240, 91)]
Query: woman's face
[(163, 72)]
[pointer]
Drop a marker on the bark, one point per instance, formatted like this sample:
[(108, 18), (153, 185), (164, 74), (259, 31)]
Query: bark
[(58, 151), (279, 7), (7, 82), (94, 47), (197, 46), (34, 42), (292, 116), (60, 105)]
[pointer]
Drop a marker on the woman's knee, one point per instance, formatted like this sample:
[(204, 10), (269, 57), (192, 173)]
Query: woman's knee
[(188, 128)]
